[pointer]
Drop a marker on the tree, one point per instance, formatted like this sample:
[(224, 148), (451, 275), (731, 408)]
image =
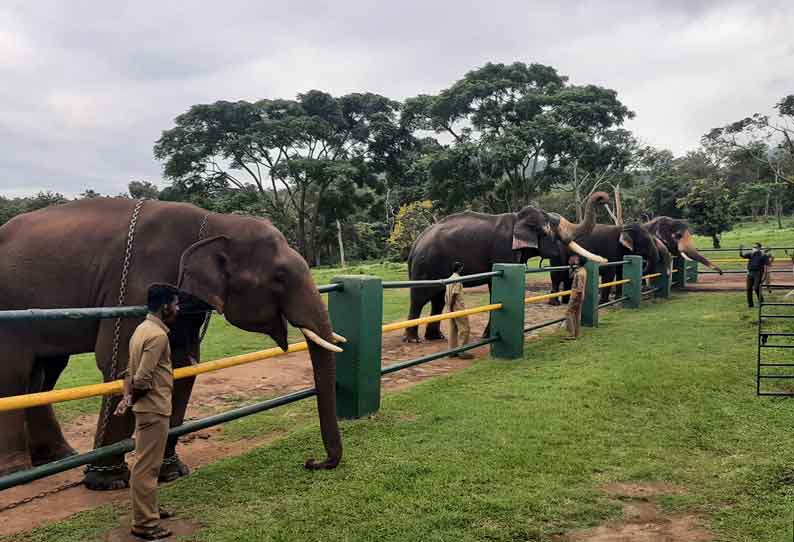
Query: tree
[(516, 123), (412, 220), (90, 194), (294, 153), (143, 190), (708, 206)]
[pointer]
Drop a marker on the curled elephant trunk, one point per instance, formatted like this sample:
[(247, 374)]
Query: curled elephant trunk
[(686, 246)]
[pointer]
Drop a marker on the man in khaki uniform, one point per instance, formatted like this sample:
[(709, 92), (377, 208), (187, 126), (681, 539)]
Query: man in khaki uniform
[(458, 327), (573, 317), (152, 383)]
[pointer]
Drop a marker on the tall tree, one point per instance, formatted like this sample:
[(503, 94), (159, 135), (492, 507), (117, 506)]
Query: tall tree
[(709, 207), (516, 123), (292, 152)]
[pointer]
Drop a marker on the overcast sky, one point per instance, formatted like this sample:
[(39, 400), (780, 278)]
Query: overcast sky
[(86, 87)]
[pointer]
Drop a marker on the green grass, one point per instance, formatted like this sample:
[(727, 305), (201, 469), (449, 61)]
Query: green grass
[(746, 233), (517, 450)]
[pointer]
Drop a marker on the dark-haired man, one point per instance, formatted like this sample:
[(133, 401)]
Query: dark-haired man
[(152, 382), (758, 261)]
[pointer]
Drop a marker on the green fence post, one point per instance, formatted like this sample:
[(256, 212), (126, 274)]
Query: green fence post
[(357, 314), (692, 276), (508, 322), (633, 290), (664, 282), (591, 296), (679, 273)]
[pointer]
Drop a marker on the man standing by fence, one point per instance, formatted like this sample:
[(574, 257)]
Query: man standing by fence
[(758, 261), (458, 327), (150, 386), (573, 318)]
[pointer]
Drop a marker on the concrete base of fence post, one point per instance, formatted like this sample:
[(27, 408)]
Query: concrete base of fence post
[(692, 268), (509, 290), (591, 296), (633, 290), (664, 282), (679, 273), (357, 314)]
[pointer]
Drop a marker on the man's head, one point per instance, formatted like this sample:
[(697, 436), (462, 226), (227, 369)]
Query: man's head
[(163, 301), (457, 267), (574, 260), (756, 246)]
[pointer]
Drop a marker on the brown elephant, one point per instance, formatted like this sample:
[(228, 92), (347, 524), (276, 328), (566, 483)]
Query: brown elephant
[(72, 255), (480, 240), (675, 235)]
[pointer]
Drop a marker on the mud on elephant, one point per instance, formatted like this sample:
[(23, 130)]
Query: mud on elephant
[(72, 256), (481, 240)]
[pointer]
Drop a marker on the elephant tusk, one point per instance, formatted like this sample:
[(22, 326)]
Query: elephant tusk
[(574, 246), (687, 258), (338, 338), (319, 341)]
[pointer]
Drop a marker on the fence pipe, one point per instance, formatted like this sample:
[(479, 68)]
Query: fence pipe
[(436, 355), (438, 282)]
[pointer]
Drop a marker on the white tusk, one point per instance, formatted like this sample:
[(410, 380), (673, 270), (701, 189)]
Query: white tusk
[(319, 341), (338, 338), (687, 258), (573, 245)]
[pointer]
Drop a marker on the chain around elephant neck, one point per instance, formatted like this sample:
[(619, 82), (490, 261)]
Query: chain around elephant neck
[(202, 234), (125, 272)]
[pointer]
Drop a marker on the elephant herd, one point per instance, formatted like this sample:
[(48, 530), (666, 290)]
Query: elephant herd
[(100, 252)]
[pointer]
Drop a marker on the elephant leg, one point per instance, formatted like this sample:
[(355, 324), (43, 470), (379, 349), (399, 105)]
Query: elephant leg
[(173, 467), (419, 298), (619, 287), (555, 287), (45, 437), (433, 329), (607, 276), (17, 363), (487, 331), (111, 472)]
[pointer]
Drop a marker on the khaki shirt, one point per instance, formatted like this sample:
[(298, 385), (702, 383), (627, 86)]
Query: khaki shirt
[(454, 290), (579, 281), (150, 366)]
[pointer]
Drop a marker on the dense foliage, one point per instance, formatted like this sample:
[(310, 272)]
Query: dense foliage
[(373, 172)]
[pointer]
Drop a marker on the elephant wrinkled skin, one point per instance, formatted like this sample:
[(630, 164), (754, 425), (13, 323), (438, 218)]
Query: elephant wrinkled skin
[(71, 256)]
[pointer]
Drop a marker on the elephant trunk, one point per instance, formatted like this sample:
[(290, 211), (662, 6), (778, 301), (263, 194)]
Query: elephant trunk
[(686, 246), (569, 232), (307, 311)]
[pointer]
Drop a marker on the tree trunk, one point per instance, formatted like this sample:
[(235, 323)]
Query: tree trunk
[(715, 240), (766, 206), (577, 192), (341, 244)]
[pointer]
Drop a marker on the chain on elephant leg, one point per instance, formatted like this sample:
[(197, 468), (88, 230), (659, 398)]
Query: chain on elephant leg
[(107, 477), (172, 468)]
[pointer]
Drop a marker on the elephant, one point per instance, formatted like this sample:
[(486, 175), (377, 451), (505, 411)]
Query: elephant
[(675, 235), (73, 255), (614, 243), (480, 240)]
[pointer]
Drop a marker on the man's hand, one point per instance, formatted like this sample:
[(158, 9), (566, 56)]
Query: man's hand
[(123, 406), (137, 393)]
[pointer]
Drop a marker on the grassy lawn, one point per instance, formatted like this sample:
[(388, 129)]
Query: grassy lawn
[(747, 233), (517, 450)]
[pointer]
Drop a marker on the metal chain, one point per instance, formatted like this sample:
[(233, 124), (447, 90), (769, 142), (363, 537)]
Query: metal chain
[(202, 234), (125, 270), (46, 493)]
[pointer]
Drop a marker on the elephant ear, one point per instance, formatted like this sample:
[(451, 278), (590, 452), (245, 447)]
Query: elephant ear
[(203, 271), (524, 234), (627, 241)]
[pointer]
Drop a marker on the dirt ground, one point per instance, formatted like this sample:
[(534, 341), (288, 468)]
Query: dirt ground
[(211, 394), (736, 282), (643, 519)]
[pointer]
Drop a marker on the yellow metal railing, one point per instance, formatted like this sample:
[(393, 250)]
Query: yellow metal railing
[(544, 297)]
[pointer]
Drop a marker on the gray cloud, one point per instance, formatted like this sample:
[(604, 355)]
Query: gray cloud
[(87, 87)]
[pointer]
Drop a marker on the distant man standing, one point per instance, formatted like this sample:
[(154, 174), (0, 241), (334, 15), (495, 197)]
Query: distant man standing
[(573, 317), (152, 383), (758, 261), (458, 327)]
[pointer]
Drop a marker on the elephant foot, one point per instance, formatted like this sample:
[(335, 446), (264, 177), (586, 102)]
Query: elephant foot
[(411, 339), (14, 462), (44, 456), (437, 336), (554, 301), (172, 468), (112, 477), (328, 464)]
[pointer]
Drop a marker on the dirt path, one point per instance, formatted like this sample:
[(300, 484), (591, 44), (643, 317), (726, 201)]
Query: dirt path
[(215, 392), (735, 282)]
